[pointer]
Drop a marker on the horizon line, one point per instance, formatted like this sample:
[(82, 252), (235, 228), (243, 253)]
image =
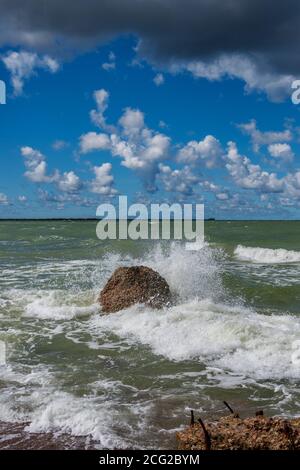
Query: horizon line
[(91, 219)]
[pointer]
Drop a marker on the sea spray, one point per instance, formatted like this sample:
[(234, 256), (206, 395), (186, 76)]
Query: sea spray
[(189, 274)]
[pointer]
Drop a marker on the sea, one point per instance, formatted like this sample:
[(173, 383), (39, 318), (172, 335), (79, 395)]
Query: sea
[(128, 380)]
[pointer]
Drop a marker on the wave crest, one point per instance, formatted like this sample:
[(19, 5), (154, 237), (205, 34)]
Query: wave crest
[(266, 255)]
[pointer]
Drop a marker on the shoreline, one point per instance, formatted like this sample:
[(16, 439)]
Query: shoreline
[(226, 433), (13, 436)]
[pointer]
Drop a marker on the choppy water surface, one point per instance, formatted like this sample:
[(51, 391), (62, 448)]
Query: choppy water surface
[(129, 379)]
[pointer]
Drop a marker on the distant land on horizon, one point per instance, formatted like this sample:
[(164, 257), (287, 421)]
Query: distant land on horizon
[(74, 219), (91, 219)]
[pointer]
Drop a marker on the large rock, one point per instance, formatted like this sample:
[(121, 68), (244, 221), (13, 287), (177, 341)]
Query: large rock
[(131, 285)]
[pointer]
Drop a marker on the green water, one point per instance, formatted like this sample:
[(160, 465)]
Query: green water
[(129, 379)]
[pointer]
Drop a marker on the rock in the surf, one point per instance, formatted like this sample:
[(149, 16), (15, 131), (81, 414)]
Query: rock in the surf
[(131, 285)]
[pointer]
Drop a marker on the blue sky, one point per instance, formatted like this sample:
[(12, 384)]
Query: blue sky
[(79, 129)]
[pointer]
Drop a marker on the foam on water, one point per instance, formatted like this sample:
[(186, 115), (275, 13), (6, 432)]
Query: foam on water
[(233, 338), (50, 409), (56, 304), (266, 255), (53, 306), (206, 326), (79, 417)]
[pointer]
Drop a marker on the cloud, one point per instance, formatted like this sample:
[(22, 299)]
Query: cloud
[(108, 66), (111, 63), (199, 36), (103, 182), (92, 141), (61, 199), (260, 138), (162, 124), (159, 79), (69, 182), (207, 151), (132, 122), (249, 176), (101, 98), (37, 172), (3, 199), (281, 152), (276, 86), (23, 65), (182, 181), (163, 165), (140, 148), (209, 186), (292, 186), (36, 165), (224, 196), (60, 144)]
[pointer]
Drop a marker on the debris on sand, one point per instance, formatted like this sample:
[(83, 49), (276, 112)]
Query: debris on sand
[(233, 433)]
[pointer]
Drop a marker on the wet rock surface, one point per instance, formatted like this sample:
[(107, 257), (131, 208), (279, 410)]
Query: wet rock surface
[(137, 284)]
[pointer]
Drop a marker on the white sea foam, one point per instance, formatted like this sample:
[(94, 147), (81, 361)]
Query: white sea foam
[(50, 409), (266, 255), (57, 305), (233, 338), (79, 417)]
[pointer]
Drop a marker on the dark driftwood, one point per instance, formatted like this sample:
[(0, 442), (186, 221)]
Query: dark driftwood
[(206, 435), (228, 406), (192, 418), (236, 415)]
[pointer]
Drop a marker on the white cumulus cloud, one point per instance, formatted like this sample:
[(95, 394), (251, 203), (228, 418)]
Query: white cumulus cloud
[(281, 151), (103, 181), (260, 138), (92, 141), (23, 65), (36, 165), (207, 151), (69, 182), (37, 171), (248, 175), (176, 180), (140, 148)]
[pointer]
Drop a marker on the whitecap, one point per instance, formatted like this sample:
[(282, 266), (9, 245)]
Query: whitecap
[(266, 255)]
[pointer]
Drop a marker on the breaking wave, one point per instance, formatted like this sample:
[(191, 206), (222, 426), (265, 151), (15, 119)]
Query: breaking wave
[(266, 255)]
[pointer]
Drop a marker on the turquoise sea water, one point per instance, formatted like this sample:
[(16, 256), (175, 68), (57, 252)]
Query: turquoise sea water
[(129, 379)]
